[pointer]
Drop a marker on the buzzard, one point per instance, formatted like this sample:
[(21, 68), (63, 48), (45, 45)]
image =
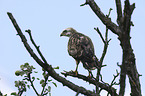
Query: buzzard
[(81, 48)]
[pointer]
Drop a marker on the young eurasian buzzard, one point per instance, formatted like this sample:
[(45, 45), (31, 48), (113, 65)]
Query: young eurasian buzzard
[(81, 48)]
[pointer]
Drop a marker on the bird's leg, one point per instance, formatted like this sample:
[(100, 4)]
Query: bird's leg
[(90, 74), (77, 63)]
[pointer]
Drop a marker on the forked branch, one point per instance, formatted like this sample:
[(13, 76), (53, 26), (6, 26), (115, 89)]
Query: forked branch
[(105, 20), (103, 85)]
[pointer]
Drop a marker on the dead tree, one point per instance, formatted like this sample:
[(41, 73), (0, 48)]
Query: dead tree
[(128, 66)]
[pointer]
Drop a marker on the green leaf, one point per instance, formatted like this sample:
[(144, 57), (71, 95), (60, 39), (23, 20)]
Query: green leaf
[(46, 75), (41, 81), (43, 85), (49, 88), (13, 93), (26, 64), (16, 83), (49, 94), (22, 66), (33, 78), (38, 79), (54, 84), (28, 86), (25, 82), (32, 67), (56, 67), (49, 80), (35, 72), (17, 73)]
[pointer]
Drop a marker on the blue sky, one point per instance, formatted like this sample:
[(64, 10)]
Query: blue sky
[(47, 19)]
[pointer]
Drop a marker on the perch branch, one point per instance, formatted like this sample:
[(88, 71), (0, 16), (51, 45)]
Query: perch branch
[(103, 85), (48, 67)]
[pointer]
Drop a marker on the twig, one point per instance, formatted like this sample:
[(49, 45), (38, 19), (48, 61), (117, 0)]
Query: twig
[(37, 47), (29, 79), (100, 34), (115, 76), (46, 78), (83, 4), (101, 79), (114, 83), (109, 12), (106, 43)]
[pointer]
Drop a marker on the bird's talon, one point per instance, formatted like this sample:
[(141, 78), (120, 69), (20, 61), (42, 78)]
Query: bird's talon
[(76, 73), (71, 71), (89, 76)]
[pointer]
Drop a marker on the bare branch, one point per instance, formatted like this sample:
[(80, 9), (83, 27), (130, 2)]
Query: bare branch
[(100, 34), (46, 66), (37, 47), (106, 43), (106, 21), (115, 76)]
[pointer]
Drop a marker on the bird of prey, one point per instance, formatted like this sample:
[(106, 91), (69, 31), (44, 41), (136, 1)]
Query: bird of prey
[(81, 48)]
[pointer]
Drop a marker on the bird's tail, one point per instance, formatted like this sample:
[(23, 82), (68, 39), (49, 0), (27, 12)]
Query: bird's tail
[(96, 62), (93, 64)]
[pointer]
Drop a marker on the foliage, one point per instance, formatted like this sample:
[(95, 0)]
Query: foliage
[(1, 94), (28, 81)]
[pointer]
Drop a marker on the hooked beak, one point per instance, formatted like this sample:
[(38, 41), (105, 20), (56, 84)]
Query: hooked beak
[(61, 34)]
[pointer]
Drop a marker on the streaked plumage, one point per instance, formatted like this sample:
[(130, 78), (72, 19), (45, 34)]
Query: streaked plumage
[(81, 48)]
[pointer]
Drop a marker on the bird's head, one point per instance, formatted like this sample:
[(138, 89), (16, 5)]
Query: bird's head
[(68, 32)]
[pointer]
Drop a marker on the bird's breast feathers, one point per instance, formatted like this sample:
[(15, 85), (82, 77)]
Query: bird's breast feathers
[(80, 45)]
